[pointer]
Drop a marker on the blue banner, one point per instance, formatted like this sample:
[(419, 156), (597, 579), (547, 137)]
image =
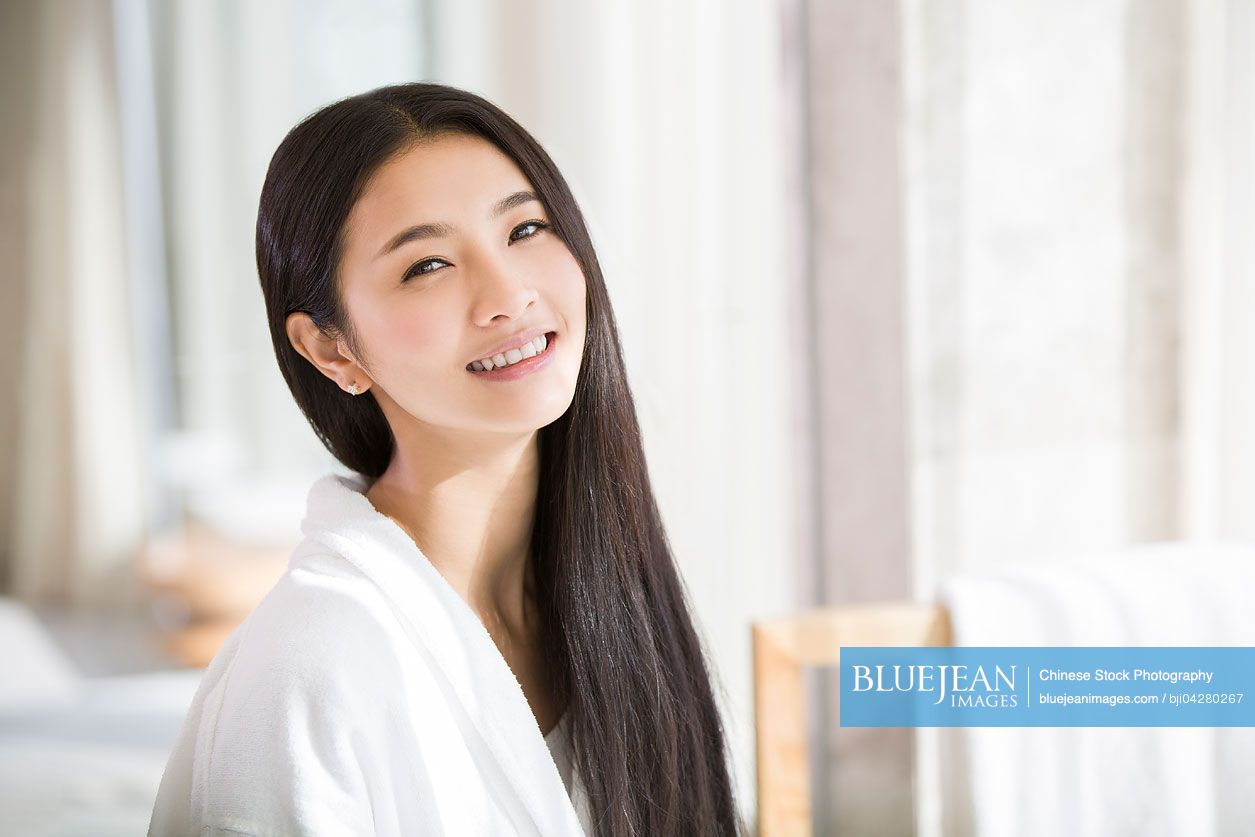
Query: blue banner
[(958, 686)]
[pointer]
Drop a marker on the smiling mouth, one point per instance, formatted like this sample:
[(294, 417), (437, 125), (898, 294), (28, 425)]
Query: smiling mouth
[(520, 361)]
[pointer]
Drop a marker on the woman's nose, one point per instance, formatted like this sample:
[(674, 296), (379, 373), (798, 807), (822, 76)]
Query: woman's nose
[(501, 288)]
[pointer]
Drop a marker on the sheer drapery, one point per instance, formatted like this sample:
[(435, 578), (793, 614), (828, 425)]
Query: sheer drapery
[(1028, 224), (73, 460)]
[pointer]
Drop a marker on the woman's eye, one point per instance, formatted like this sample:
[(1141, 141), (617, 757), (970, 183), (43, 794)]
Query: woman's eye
[(539, 225), (419, 268), (426, 265)]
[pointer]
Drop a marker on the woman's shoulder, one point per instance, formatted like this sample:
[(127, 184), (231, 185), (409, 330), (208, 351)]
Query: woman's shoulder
[(324, 642), (299, 706), (323, 617)]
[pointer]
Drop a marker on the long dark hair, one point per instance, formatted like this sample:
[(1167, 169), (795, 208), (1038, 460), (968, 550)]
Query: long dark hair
[(618, 636)]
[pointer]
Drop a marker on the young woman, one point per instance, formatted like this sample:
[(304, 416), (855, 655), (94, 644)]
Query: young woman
[(483, 631)]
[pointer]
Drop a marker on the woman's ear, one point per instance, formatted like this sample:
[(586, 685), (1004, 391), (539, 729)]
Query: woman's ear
[(328, 354)]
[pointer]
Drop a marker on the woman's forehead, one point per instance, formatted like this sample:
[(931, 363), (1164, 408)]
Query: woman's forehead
[(451, 174)]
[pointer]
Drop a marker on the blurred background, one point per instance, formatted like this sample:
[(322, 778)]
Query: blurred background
[(911, 291)]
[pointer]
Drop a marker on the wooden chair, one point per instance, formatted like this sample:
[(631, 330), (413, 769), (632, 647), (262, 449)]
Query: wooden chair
[(782, 648)]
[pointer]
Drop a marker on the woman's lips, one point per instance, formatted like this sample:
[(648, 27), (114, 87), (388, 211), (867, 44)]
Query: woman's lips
[(524, 367)]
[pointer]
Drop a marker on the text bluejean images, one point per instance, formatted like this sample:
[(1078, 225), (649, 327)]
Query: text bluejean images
[(1047, 687)]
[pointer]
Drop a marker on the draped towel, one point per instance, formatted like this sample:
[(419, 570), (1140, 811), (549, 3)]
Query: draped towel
[(1104, 781)]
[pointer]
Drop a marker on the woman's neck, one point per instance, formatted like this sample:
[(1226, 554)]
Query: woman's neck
[(469, 503)]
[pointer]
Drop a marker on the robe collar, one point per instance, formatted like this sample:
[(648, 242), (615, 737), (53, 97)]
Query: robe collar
[(498, 723)]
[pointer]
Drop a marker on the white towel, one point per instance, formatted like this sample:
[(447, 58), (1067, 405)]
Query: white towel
[(362, 696), (1114, 781)]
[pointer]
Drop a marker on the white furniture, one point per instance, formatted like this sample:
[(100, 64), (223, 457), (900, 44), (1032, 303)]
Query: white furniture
[(80, 755)]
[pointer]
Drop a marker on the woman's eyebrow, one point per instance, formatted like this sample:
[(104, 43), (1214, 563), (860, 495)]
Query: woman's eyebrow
[(439, 229)]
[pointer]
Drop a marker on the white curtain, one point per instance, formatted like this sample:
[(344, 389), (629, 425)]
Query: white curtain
[(1079, 193), (1080, 278), (72, 459), (1032, 277), (1219, 260), (233, 78)]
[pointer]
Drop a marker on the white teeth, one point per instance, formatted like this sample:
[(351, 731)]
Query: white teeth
[(511, 356)]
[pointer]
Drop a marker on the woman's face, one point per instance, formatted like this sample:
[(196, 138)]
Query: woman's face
[(450, 259)]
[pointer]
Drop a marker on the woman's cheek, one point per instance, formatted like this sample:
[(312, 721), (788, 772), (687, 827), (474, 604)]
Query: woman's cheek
[(572, 279), (414, 336)]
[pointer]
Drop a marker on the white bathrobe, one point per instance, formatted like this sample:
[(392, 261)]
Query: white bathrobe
[(364, 696)]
